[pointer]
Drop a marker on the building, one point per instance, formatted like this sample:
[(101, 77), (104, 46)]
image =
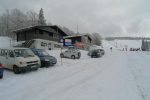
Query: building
[(52, 33), (81, 41)]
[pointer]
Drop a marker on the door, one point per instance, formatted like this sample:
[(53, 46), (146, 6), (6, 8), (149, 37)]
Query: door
[(10, 59), (5, 58), (67, 53)]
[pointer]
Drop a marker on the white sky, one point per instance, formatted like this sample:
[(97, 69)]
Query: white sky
[(106, 17)]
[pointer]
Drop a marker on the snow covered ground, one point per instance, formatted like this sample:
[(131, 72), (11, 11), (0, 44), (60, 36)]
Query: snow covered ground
[(5, 42), (115, 76), (118, 75), (120, 44)]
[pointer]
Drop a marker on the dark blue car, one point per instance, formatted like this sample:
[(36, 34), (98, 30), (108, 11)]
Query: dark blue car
[(46, 59), (1, 70)]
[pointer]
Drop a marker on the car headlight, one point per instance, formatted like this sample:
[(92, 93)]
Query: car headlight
[(22, 63)]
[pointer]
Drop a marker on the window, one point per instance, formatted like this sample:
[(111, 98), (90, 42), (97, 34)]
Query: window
[(57, 46), (10, 53), (3, 52), (43, 44)]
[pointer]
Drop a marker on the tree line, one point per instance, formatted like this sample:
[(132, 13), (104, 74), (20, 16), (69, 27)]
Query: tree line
[(16, 19)]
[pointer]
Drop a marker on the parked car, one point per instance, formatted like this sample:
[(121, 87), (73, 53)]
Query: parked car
[(102, 51), (96, 53), (72, 52), (46, 59), (19, 59), (1, 70)]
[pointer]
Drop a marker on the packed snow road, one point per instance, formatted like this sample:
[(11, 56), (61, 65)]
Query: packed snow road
[(115, 76)]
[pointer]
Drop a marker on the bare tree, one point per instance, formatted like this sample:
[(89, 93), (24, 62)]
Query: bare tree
[(32, 18), (97, 39), (16, 19)]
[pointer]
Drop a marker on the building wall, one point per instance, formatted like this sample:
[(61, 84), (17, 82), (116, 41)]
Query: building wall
[(35, 33)]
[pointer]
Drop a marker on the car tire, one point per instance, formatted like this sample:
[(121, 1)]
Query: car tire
[(79, 55), (1, 76), (61, 55), (72, 57), (16, 70), (36, 69), (92, 56)]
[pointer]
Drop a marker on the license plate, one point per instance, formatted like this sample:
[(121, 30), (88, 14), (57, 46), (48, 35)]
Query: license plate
[(33, 66)]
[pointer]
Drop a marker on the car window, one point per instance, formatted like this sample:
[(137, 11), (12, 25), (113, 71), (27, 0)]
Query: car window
[(23, 53), (10, 53)]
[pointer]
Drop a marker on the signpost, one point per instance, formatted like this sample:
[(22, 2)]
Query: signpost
[(61, 56)]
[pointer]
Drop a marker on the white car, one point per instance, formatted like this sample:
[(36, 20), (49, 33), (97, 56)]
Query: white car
[(72, 53), (19, 59)]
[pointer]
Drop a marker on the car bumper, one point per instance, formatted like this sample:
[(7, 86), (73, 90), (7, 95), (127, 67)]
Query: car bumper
[(46, 63), (54, 62), (29, 67)]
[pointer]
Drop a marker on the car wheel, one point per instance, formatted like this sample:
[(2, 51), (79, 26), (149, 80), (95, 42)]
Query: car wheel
[(1, 76), (36, 68), (79, 55), (72, 57), (61, 55), (16, 70)]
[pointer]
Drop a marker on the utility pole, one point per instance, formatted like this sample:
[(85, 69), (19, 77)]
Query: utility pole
[(77, 29)]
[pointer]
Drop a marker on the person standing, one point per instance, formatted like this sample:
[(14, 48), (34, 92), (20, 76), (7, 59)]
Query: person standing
[(111, 49)]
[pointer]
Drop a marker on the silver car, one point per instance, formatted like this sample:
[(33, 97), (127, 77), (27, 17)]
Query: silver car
[(72, 53)]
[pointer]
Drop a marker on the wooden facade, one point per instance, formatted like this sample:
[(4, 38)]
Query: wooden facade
[(84, 40), (52, 33)]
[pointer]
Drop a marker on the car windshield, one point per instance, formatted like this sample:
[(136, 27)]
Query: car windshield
[(42, 53), (23, 53)]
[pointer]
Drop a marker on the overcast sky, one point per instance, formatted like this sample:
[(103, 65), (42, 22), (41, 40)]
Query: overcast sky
[(106, 17)]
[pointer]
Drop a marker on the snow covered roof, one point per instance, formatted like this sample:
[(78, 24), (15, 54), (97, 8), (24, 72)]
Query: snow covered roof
[(77, 36), (53, 28)]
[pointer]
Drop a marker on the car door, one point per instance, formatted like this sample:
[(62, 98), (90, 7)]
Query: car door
[(10, 59), (74, 52), (67, 53), (3, 57)]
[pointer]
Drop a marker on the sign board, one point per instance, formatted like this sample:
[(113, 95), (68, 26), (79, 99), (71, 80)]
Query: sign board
[(68, 42)]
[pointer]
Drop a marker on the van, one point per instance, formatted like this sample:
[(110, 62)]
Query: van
[(19, 59), (42, 44)]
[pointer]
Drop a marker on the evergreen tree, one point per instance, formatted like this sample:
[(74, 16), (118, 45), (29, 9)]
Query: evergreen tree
[(41, 20), (143, 45)]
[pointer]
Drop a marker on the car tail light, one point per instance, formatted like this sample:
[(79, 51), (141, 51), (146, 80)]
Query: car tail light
[(1, 65)]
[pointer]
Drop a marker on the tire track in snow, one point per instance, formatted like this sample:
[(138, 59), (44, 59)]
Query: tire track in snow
[(141, 90)]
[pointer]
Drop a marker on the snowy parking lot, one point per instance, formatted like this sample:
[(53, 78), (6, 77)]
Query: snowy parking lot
[(115, 76)]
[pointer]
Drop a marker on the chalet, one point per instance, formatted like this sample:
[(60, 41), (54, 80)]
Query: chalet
[(82, 41), (52, 33), (42, 37)]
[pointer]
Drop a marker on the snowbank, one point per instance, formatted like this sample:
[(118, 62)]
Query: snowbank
[(5, 42)]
